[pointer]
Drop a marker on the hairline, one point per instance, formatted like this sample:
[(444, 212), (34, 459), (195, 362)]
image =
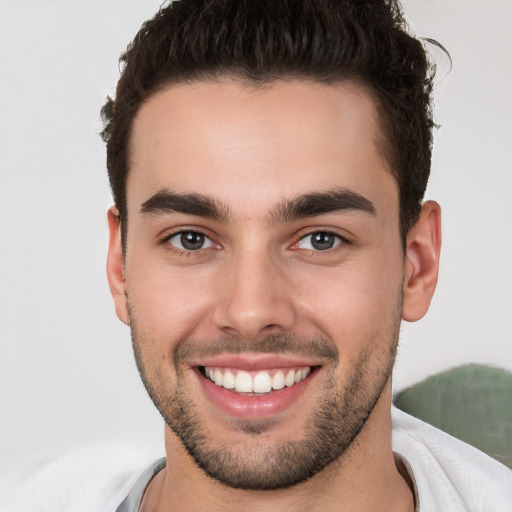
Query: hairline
[(382, 142)]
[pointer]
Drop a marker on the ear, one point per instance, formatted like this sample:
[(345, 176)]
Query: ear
[(115, 265), (421, 265)]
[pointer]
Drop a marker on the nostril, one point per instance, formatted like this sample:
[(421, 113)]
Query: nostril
[(249, 317)]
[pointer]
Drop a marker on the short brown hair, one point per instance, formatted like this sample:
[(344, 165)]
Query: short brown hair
[(262, 41)]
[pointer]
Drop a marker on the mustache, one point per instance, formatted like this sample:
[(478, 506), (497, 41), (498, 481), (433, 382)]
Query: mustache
[(193, 348)]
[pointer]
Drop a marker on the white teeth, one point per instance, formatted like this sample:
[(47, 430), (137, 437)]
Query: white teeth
[(229, 381), (218, 377), (243, 383), (278, 380), (261, 382)]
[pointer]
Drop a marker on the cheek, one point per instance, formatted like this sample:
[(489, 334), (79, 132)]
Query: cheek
[(168, 302), (355, 305)]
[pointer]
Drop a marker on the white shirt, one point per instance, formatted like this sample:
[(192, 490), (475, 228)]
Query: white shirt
[(449, 475)]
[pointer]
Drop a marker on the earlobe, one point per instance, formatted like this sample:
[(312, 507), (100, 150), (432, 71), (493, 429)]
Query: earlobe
[(115, 265), (421, 266)]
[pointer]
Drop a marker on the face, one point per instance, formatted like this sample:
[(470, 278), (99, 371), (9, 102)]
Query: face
[(263, 272)]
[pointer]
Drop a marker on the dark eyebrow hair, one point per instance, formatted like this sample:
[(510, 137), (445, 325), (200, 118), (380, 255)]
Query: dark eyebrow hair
[(319, 203), (307, 205), (166, 201)]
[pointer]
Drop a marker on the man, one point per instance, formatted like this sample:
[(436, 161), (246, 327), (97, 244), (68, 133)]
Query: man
[(268, 162)]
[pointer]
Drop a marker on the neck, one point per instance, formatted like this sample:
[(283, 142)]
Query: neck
[(365, 479)]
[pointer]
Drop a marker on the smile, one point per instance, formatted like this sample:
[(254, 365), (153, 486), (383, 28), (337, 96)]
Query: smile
[(255, 387), (260, 382)]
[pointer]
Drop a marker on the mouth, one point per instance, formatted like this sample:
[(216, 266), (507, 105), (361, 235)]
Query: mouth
[(259, 383), (248, 392)]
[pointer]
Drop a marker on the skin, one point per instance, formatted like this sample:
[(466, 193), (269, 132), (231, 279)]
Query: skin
[(252, 149)]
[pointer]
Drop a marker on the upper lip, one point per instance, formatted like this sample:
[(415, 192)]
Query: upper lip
[(252, 362)]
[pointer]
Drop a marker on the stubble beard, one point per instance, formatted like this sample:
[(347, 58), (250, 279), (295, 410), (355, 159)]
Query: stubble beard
[(338, 418)]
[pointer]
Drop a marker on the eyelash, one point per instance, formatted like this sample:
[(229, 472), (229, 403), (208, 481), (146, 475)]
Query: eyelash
[(339, 240), (186, 252)]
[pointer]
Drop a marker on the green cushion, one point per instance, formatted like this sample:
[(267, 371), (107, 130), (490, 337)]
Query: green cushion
[(472, 403)]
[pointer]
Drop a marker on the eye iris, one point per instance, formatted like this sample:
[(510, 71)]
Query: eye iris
[(192, 241), (322, 241)]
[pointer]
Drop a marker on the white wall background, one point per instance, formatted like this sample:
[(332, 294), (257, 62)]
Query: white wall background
[(67, 375)]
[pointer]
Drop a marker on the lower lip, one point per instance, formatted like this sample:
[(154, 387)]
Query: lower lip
[(254, 406)]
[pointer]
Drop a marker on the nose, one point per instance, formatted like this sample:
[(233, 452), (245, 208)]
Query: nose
[(256, 299)]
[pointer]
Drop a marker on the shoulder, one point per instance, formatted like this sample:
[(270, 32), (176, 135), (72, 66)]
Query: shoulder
[(450, 474), (85, 479)]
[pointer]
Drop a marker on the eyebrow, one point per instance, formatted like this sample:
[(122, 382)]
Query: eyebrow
[(166, 201), (321, 203), (307, 205)]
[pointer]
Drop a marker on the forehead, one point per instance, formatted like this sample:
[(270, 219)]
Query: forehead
[(252, 146)]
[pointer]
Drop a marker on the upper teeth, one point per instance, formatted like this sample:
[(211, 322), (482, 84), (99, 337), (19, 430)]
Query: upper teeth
[(256, 382)]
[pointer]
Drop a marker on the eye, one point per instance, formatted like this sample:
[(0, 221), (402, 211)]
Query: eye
[(190, 241), (319, 241)]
